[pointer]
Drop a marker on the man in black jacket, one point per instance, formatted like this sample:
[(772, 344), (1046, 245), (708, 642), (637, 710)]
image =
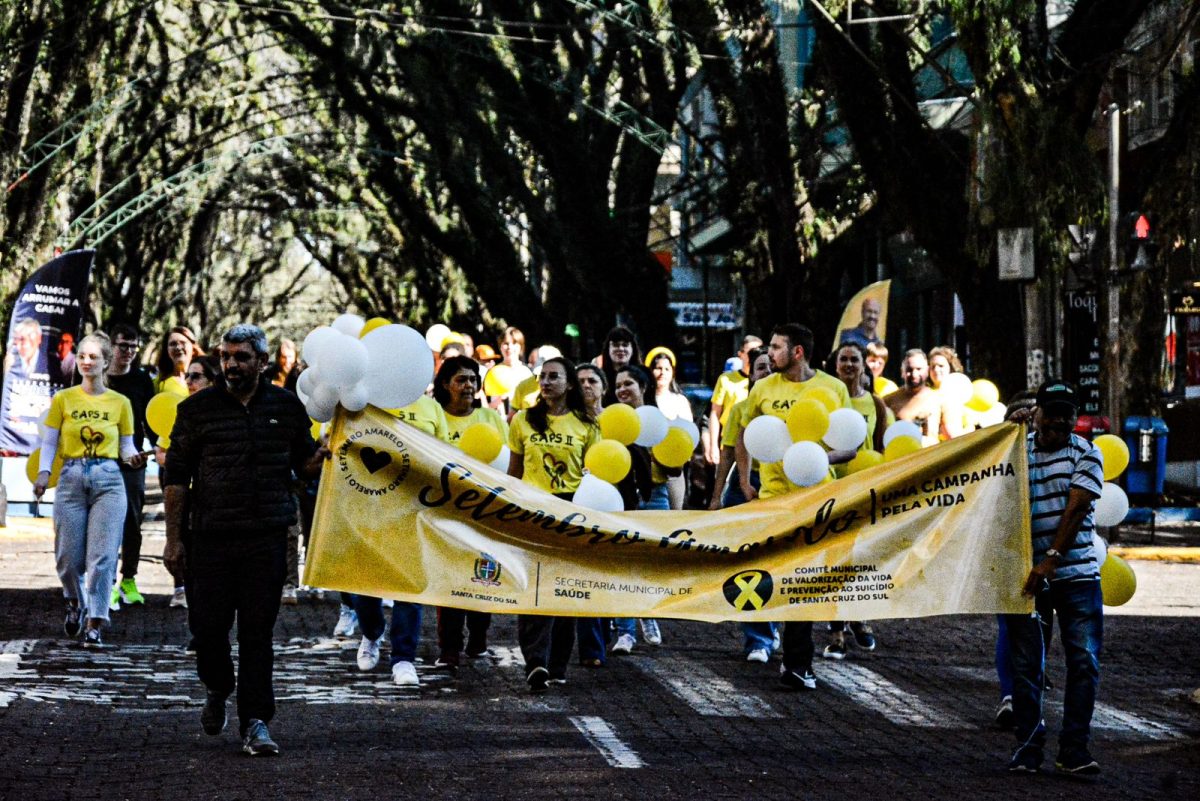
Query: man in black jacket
[(232, 456)]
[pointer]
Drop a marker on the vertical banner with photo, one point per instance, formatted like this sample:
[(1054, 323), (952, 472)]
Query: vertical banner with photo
[(39, 357), (865, 319)]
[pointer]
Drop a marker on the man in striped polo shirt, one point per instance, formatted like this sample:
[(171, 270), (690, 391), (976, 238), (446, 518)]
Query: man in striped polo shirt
[(1066, 475)]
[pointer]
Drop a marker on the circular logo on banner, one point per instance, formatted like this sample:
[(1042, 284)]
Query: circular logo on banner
[(749, 590), (373, 461)]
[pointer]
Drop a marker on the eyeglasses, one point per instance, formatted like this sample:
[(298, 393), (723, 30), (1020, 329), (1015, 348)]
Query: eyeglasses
[(195, 377), (130, 346)]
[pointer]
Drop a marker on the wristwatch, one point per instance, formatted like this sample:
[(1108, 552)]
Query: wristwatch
[(1053, 554)]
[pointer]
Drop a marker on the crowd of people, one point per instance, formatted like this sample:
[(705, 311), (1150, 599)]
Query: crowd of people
[(240, 466)]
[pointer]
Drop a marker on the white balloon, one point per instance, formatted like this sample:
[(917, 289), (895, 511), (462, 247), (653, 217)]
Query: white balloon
[(325, 395), (594, 493), (318, 412), (436, 335), (1100, 547), (315, 343), (654, 426), (501, 460), (691, 428), (344, 362), (1112, 506), (956, 388), (400, 366), (349, 324), (767, 439), (354, 399), (901, 428), (994, 415), (847, 430), (805, 463), (306, 383)]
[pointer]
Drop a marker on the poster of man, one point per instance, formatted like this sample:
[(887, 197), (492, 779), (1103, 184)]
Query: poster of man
[(864, 322)]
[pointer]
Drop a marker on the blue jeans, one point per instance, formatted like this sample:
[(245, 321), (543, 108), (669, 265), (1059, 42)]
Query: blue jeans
[(1081, 626), (1004, 658), (592, 636), (406, 625), (660, 501), (89, 519), (758, 635)]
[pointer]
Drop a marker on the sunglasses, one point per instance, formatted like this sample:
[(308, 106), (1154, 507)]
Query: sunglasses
[(189, 376)]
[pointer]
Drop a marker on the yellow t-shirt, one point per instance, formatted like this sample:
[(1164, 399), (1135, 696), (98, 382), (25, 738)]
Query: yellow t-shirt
[(526, 394), (884, 386), (774, 395), (864, 404), (732, 428), (173, 384), (424, 414), (553, 460), (490, 417), (732, 388), (90, 426)]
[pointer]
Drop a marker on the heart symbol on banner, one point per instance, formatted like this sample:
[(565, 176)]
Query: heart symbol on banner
[(374, 460)]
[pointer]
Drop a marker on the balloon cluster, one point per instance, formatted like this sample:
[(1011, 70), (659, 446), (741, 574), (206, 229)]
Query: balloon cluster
[(815, 418), (483, 442), (980, 396), (608, 461), (354, 362), (1117, 579)]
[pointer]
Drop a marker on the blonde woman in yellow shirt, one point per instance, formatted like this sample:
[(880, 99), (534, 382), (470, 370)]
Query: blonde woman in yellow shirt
[(91, 427)]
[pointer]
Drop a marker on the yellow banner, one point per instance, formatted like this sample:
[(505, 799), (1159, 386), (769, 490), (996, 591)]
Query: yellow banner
[(877, 293), (943, 531)]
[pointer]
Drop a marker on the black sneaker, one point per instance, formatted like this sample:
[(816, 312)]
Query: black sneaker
[(863, 637), (73, 623), (798, 680), (835, 650), (537, 679), (91, 639), (213, 716), (257, 741), (1005, 719), (1076, 763), (1026, 760)]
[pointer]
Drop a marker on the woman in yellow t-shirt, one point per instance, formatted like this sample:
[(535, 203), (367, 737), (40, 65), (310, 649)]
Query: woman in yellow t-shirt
[(850, 360), (455, 387), (548, 443), (90, 427), (178, 349)]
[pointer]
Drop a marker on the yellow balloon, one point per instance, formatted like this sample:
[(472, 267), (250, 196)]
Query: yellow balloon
[(863, 460), (31, 467), (315, 429), (984, 394), (1118, 582), (164, 442), (620, 422), (900, 447), (825, 395), (372, 324), (1115, 453), (808, 419), (481, 441), (675, 450), (500, 380), (160, 412), (609, 460)]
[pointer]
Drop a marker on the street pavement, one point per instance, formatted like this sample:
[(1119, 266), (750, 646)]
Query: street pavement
[(689, 719)]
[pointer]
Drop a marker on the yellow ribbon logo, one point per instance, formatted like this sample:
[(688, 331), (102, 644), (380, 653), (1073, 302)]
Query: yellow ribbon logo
[(750, 589)]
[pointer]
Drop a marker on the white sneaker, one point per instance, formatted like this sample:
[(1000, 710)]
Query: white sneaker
[(347, 623), (288, 596), (758, 655), (404, 674), (623, 645), (387, 603), (179, 598), (651, 632), (368, 654), (776, 643)]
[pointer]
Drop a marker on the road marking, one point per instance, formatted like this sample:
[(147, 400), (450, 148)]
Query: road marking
[(868, 688), (701, 689), (605, 740)]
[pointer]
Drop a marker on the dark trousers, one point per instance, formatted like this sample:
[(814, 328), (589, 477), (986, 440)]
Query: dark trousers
[(450, 631), (242, 580), (131, 536), (593, 637), (798, 645), (546, 641)]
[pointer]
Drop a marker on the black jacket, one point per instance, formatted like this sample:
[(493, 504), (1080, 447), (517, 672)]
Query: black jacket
[(238, 460)]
